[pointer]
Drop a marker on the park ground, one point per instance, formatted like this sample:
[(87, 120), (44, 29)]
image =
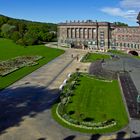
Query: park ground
[(9, 50), (29, 100)]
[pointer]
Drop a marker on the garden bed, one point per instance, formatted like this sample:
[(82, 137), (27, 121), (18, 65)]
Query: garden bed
[(91, 105), (11, 65)]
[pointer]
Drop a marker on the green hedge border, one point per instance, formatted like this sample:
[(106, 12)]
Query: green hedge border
[(113, 129)]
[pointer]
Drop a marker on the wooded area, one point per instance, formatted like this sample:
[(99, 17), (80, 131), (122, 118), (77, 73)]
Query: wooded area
[(25, 32)]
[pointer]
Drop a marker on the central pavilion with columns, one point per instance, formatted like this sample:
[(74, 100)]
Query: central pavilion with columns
[(94, 35)]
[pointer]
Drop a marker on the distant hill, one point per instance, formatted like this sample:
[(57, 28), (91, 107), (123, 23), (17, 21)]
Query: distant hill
[(26, 32)]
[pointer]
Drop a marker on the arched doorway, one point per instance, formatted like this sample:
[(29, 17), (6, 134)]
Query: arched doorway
[(133, 53), (72, 45)]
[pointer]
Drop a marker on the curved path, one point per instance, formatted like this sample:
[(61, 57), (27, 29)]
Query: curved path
[(25, 106)]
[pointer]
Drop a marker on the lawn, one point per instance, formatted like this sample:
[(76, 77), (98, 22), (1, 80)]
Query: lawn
[(117, 52), (99, 101), (91, 57), (123, 53), (9, 50)]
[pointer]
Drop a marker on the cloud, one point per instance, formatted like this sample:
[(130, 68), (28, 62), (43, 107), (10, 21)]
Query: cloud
[(130, 4), (131, 14), (113, 11), (127, 9)]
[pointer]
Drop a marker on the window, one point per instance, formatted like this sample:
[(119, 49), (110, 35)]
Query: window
[(124, 45)]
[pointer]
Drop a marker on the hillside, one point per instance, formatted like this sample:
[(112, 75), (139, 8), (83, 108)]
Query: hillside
[(26, 32)]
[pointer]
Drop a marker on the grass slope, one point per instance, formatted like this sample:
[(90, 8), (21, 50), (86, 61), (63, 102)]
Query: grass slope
[(10, 50), (98, 100)]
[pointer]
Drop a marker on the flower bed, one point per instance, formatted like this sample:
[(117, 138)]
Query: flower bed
[(86, 125), (11, 65)]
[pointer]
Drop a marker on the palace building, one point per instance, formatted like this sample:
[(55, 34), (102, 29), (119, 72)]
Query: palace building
[(98, 35)]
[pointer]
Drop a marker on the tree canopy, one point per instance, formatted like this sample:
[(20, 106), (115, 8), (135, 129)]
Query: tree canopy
[(27, 32), (120, 24)]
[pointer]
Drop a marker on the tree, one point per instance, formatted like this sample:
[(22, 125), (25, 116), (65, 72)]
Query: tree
[(22, 28), (15, 36), (6, 30), (27, 32), (30, 39), (3, 20), (120, 24), (21, 42)]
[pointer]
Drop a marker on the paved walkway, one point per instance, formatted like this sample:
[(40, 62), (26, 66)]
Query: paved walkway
[(131, 65), (25, 106)]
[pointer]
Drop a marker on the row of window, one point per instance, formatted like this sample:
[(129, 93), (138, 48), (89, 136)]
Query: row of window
[(128, 45), (128, 30), (127, 37)]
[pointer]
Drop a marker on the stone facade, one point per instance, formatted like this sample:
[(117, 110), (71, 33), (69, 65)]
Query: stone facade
[(94, 35), (126, 38), (98, 35)]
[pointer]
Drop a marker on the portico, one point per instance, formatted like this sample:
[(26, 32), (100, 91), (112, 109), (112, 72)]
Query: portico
[(85, 34)]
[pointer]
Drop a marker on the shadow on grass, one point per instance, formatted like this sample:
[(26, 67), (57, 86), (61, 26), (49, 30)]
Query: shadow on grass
[(27, 101)]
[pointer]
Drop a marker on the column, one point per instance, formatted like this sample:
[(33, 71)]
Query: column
[(90, 33), (77, 33), (85, 33), (74, 32), (68, 33), (81, 33), (71, 32), (93, 33)]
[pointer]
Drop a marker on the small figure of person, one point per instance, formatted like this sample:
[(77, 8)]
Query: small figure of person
[(72, 56), (77, 57)]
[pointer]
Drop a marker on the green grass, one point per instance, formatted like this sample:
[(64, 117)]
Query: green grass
[(123, 53), (8, 50), (138, 57), (98, 100), (117, 52), (91, 57)]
